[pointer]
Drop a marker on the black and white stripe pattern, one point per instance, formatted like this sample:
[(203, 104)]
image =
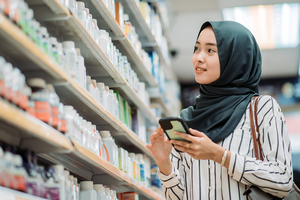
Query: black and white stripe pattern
[(204, 179)]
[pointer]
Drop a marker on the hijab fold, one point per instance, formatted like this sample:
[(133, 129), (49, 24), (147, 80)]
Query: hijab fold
[(219, 107)]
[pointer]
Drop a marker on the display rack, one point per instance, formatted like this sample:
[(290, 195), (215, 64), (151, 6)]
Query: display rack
[(34, 62), (20, 129), (8, 194), (146, 36)]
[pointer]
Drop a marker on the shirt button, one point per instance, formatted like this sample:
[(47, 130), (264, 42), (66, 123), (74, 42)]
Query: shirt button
[(210, 187)]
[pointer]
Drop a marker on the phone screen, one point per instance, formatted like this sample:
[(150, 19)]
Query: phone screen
[(177, 126)]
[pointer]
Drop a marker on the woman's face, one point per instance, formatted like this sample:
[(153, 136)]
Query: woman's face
[(206, 58)]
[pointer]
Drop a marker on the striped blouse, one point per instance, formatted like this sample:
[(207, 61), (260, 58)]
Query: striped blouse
[(193, 179)]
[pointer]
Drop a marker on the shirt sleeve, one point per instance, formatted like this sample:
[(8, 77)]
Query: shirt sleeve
[(173, 184), (274, 174)]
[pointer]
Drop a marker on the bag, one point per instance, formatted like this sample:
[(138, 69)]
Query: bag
[(253, 192)]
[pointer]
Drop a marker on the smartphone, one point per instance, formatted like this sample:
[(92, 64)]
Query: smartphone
[(171, 124)]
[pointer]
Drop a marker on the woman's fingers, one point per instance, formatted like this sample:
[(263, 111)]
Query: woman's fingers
[(184, 149), (197, 133), (181, 143), (160, 131)]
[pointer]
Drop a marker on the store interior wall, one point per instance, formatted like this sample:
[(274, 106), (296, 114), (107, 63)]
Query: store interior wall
[(280, 67)]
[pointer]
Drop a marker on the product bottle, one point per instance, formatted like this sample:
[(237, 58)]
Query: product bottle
[(61, 56), (81, 12), (41, 98), (97, 92), (107, 192), (108, 98), (69, 117), (103, 95), (90, 87), (70, 59), (62, 120), (13, 97), (142, 169), (95, 30), (53, 44), (45, 41), (112, 102), (132, 156), (67, 185), (102, 41), (54, 102), (20, 173), (59, 171), (7, 74), (81, 69), (100, 190), (116, 106), (96, 141), (109, 144), (76, 188), (102, 150), (86, 191)]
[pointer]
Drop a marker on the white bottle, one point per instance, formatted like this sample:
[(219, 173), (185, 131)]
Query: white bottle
[(107, 192), (72, 186), (95, 30), (69, 117), (90, 87), (67, 185), (59, 170), (142, 168), (108, 98), (70, 59), (112, 102), (86, 191), (61, 56), (116, 161), (96, 141), (81, 69), (109, 143), (76, 188), (81, 13), (117, 111), (90, 136), (102, 41), (101, 147), (103, 95), (100, 190), (97, 92), (85, 133)]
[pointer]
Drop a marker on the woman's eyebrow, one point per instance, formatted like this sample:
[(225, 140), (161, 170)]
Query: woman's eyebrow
[(208, 44)]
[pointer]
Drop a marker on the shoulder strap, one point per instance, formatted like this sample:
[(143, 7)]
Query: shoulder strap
[(254, 128)]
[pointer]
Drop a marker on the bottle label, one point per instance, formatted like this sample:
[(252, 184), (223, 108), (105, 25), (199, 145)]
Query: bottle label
[(142, 172), (53, 193)]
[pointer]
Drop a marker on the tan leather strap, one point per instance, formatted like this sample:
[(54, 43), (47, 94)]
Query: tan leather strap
[(253, 129), (257, 129)]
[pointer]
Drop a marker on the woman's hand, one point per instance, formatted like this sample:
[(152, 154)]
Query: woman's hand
[(200, 146), (161, 148)]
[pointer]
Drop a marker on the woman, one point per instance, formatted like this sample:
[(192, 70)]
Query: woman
[(219, 163)]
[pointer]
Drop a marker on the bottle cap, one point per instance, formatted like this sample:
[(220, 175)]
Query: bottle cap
[(53, 40), (68, 109), (36, 82), (111, 92), (59, 169), (68, 44), (80, 4), (107, 88), (50, 87), (59, 46), (107, 191), (87, 11), (139, 156), (43, 30), (78, 51), (86, 185), (94, 82), (105, 134), (99, 188), (102, 32), (71, 178), (88, 80), (131, 155), (66, 173), (126, 17), (76, 181), (17, 160), (101, 86)]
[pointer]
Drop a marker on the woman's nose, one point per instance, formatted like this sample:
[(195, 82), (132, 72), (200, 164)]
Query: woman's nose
[(200, 57)]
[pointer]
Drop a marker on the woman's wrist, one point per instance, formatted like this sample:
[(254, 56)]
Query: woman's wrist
[(165, 168), (220, 155)]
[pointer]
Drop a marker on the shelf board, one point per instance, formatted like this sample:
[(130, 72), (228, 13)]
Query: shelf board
[(90, 166), (69, 91), (10, 194), (20, 128)]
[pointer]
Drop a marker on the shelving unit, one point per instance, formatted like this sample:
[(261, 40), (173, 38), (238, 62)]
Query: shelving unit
[(20, 129), (8, 194), (33, 62)]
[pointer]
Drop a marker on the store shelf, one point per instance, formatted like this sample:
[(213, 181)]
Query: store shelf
[(72, 29), (37, 64), (19, 128), (146, 36), (9, 194), (90, 166)]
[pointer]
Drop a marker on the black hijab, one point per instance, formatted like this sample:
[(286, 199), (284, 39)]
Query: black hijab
[(221, 104)]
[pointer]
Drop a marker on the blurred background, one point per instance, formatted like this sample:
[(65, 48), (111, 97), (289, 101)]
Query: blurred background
[(275, 25)]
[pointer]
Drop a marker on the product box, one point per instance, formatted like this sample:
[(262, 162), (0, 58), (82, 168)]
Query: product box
[(146, 11), (119, 14), (128, 196)]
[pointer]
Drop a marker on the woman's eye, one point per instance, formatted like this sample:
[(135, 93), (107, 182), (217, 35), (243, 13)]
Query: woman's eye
[(196, 48), (211, 50)]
